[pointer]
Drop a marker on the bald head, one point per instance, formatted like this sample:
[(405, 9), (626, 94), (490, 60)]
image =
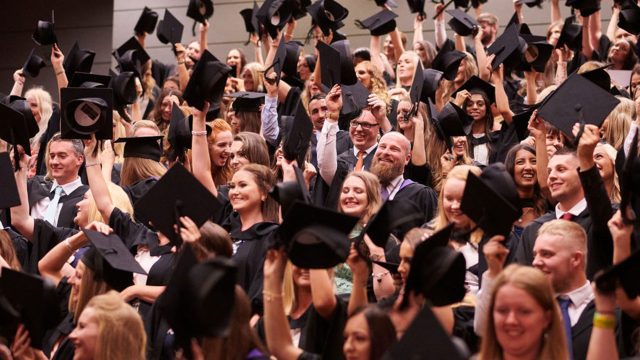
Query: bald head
[(399, 139)]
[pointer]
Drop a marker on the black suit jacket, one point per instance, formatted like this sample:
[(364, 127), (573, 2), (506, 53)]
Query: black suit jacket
[(327, 195), (39, 188), (343, 143), (593, 219), (581, 332)]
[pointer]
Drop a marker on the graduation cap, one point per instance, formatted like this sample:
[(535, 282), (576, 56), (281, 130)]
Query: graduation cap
[(86, 111), (448, 62), (8, 189), (34, 299), (475, 84), (437, 271), (33, 64), (347, 71), (491, 200), (456, 3), (328, 15), (250, 18), (286, 193), (417, 84), (594, 104), (297, 135), (145, 147), (416, 7), (315, 237), (292, 53), (629, 18), (247, 101), (521, 122), (354, 100), (599, 76), (380, 23), (22, 106), (131, 56), (462, 23), (14, 130), (508, 48), (274, 15), (200, 10), (124, 91), (431, 80), (176, 194), (532, 3), (199, 298), (78, 60), (110, 260), (622, 274), (86, 80), (424, 339), (450, 121), (570, 35), (586, 7), (169, 29), (329, 64), (146, 22), (207, 81), (44, 33), (537, 53), (394, 215)]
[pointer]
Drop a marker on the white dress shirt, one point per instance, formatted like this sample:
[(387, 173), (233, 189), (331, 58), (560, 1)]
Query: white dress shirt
[(39, 209)]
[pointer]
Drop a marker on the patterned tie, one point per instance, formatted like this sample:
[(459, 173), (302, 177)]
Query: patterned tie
[(564, 309), (567, 216), (360, 161), (50, 214)]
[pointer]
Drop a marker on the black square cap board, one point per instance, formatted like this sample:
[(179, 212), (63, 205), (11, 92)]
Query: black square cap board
[(354, 100), (475, 84), (629, 18), (44, 34), (577, 99), (145, 147), (491, 200), (393, 215), (33, 64), (36, 301), (328, 15), (424, 339), (169, 29), (507, 48), (274, 15), (624, 274), (297, 136), (177, 193), (315, 237), (78, 60), (247, 101), (437, 271), (15, 131), (86, 111), (461, 22), (207, 81), (8, 189), (380, 23), (286, 193), (146, 22), (448, 62), (329, 64), (200, 10), (87, 80), (22, 106)]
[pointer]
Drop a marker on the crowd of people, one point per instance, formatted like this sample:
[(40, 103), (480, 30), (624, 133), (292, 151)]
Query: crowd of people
[(472, 196)]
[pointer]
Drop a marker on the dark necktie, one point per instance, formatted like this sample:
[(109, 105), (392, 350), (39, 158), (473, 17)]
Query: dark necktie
[(564, 309)]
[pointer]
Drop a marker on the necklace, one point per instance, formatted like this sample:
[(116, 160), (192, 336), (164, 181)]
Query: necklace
[(524, 214)]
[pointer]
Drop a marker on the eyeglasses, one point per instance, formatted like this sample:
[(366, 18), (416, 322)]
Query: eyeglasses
[(365, 125)]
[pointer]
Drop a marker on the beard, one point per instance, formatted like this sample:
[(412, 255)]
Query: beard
[(386, 172)]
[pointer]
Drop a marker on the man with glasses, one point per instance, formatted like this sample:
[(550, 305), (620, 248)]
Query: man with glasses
[(333, 167)]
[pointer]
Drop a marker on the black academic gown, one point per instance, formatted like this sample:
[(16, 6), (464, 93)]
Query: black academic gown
[(593, 219), (45, 237), (424, 197), (499, 142), (38, 188), (137, 190), (327, 195)]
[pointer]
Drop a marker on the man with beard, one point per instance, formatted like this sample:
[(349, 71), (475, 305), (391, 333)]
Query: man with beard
[(389, 161), (489, 28)]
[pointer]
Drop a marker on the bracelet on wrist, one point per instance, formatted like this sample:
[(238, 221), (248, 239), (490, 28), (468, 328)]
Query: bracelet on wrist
[(90, 165), (269, 296), (69, 247), (199, 133), (604, 320), (59, 72)]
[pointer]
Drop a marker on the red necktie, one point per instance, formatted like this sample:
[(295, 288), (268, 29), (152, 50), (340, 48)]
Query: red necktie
[(360, 161), (567, 216)]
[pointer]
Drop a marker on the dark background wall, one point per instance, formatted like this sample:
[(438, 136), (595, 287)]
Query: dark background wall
[(90, 22)]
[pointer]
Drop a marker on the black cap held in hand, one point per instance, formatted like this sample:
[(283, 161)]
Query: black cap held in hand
[(169, 29), (200, 10), (33, 64), (86, 111), (146, 22), (461, 22), (380, 23), (274, 15), (207, 81), (298, 130), (78, 60), (44, 33), (8, 189)]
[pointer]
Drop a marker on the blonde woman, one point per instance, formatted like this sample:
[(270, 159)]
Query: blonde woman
[(449, 211), (466, 70), (523, 294), (616, 126), (604, 157), (109, 328), (253, 77)]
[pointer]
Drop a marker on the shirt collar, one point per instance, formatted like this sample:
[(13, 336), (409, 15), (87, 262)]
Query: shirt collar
[(576, 210), (68, 188), (366, 152), (581, 295)]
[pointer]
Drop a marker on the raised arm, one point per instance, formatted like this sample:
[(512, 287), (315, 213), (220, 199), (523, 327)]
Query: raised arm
[(587, 48), (181, 68), (257, 49), (269, 113), (322, 294), (418, 151), (374, 47), (613, 22), (326, 147), (18, 83), (204, 29), (97, 183), (555, 11), (276, 325), (484, 67), (360, 270), (532, 88), (21, 220), (502, 101), (538, 130), (595, 30), (396, 40), (417, 29), (57, 58), (439, 29), (603, 343), (200, 151)]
